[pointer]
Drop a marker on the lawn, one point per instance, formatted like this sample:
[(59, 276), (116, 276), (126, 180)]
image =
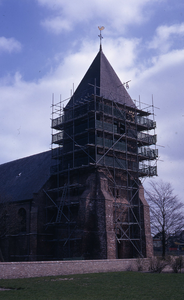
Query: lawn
[(101, 286)]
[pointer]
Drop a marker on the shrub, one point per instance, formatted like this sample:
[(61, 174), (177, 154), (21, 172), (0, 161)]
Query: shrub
[(177, 263), (157, 264), (140, 264)]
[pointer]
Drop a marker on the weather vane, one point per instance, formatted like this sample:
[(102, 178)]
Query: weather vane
[(100, 35)]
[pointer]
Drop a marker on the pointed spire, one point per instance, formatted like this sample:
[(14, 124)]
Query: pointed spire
[(103, 78), (100, 36)]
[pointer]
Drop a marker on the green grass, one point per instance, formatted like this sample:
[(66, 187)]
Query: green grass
[(101, 286)]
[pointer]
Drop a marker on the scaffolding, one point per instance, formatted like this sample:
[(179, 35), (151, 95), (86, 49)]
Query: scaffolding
[(95, 133)]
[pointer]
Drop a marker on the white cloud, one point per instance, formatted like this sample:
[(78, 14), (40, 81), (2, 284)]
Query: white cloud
[(25, 110), (24, 118), (31, 100), (66, 14), (9, 45), (164, 37), (57, 24), (162, 74), (123, 49), (26, 107), (171, 170), (163, 79)]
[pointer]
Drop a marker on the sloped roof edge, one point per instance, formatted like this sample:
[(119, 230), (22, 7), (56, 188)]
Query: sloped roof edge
[(101, 79)]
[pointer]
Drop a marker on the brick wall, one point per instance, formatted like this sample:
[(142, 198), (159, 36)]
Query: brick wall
[(53, 268)]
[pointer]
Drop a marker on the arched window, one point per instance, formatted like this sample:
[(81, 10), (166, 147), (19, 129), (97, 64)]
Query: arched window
[(22, 219)]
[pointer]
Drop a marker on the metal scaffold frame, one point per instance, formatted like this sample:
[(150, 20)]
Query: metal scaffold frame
[(103, 134)]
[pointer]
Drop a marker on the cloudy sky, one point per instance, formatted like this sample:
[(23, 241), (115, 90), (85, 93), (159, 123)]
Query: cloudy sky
[(47, 46)]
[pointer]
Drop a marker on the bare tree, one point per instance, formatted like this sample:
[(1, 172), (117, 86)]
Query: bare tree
[(166, 213)]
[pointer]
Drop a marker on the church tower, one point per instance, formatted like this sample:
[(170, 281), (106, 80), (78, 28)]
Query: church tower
[(101, 149)]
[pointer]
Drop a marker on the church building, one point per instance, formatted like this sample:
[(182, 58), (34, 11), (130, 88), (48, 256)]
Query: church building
[(83, 199)]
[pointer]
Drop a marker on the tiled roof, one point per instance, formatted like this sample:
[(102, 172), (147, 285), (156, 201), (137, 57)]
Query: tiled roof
[(108, 85), (23, 177)]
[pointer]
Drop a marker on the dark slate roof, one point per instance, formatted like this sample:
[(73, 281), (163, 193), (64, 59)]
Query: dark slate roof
[(23, 177), (108, 84)]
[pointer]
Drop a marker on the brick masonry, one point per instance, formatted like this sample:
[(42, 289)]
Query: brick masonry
[(95, 221), (10, 270), (147, 228)]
